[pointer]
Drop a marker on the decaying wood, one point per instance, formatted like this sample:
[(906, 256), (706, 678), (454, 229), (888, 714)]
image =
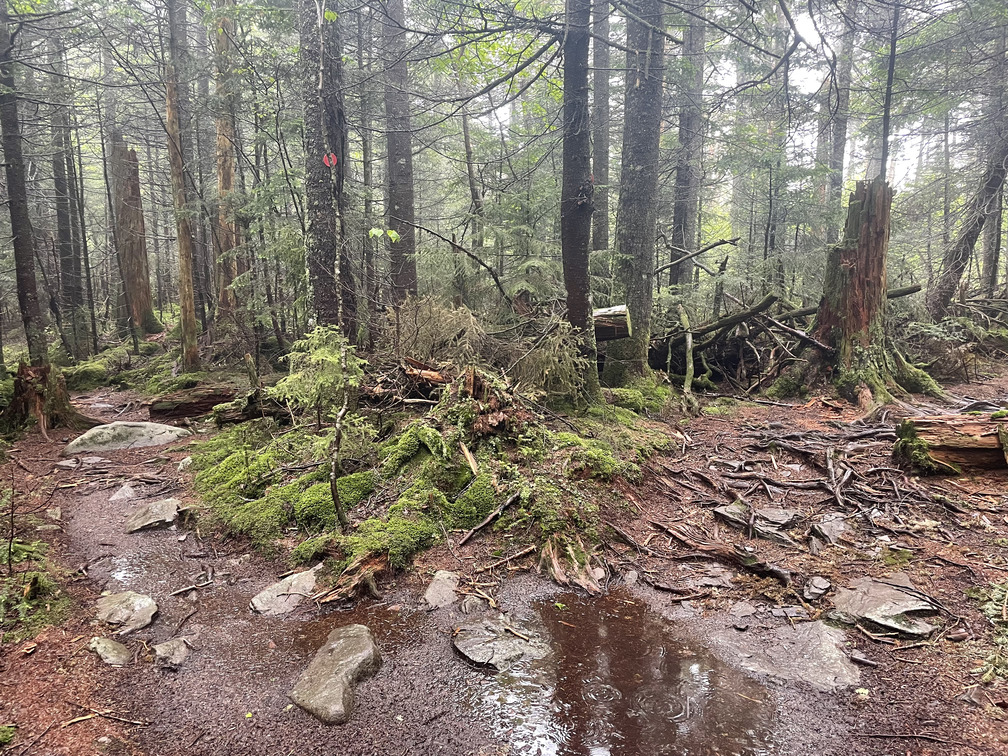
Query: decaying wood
[(612, 323), (359, 579), (955, 441), (719, 551), (490, 517), (194, 402), (253, 405), (41, 393)]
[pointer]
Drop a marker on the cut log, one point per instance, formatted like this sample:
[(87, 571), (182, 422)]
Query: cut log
[(191, 403), (612, 323), (249, 407), (949, 443)]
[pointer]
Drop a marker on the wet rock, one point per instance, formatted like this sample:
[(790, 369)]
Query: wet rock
[(892, 604), (473, 605), (125, 492), (171, 654), (742, 609), (714, 576), (130, 610), (830, 528), (816, 588), (808, 652), (111, 652), (325, 690), (779, 518), (631, 577), (497, 642), (283, 597), (124, 435), (739, 514), (155, 514), (441, 591)]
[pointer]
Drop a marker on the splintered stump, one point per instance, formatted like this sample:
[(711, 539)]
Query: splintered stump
[(41, 393), (950, 443), (612, 323)]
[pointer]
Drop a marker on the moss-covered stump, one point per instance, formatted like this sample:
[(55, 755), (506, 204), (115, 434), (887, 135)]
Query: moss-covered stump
[(40, 394), (952, 443)]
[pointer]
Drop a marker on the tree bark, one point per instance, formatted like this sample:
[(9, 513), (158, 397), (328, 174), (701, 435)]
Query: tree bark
[(226, 236), (840, 116), (600, 125), (17, 201), (577, 189), (176, 157), (370, 278), (637, 211), (685, 210), (401, 211)]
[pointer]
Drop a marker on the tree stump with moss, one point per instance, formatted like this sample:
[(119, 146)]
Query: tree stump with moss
[(41, 393), (952, 443)]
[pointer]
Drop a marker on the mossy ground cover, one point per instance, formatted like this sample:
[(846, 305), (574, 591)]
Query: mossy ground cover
[(30, 597), (408, 490)]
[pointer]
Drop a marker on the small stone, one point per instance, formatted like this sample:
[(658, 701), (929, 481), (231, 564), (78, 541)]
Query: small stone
[(496, 642), (830, 528), (283, 597), (441, 591), (892, 603), (598, 573), (816, 588), (630, 578), (326, 689), (111, 652), (780, 518), (171, 654), (741, 625), (742, 609), (54, 513), (271, 645), (957, 635), (153, 515), (132, 611), (185, 464), (125, 492), (472, 604)]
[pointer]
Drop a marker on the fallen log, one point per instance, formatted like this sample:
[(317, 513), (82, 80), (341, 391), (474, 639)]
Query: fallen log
[(612, 323), (949, 443), (189, 403), (904, 291), (249, 407), (739, 557)]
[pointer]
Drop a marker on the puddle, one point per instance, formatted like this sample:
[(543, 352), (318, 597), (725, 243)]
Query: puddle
[(619, 680)]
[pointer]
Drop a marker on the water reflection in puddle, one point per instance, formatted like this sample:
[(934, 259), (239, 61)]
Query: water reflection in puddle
[(619, 682)]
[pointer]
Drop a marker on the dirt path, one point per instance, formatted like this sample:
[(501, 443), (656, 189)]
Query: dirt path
[(230, 697)]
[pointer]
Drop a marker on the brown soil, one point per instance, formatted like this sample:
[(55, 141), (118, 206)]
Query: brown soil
[(230, 696)]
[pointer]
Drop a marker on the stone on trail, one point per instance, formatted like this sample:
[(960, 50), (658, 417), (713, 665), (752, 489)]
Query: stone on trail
[(111, 652), (441, 591), (124, 435), (891, 603), (131, 610), (830, 527), (125, 492), (171, 654), (497, 643), (326, 689), (284, 596), (816, 588), (808, 652), (155, 514)]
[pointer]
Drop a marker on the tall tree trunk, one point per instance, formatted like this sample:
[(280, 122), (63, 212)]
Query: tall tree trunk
[(976, 213), (370, 282), (400, 207), (226, 236), (176, 157), (841, 115), (687, 182), (600, 124), (85, 255), (577, 189), (17, 200), (993, 229), (637, 211), (997, 108)]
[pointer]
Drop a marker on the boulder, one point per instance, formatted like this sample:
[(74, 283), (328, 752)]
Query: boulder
[(155, 514), (441, 591), (891, 604), (284, 596), (111, 652), (130, 610), (497, 642), (171, 654), (326, 689), (124, 435)]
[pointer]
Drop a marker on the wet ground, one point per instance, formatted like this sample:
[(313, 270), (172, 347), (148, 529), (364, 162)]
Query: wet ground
[(635, 671)]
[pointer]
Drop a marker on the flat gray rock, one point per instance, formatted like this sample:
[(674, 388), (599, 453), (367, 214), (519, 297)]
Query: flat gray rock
[(131, 611), (171, 654), (884, 603), (326, 689), (124, 435), (739, 514), (111, 652), (155, 514), (830, 527), (441, 591), (809, 652), (816, 588), (284, 596), (497, 642), (125, 493)]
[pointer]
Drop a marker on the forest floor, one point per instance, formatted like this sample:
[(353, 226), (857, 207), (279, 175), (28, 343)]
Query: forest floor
[(668, 660)]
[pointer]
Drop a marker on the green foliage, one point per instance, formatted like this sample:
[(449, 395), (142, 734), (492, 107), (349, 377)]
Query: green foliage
[(323, 367), (312, 548), (97, 371), (30, 598), (992, 604), (7, 734)]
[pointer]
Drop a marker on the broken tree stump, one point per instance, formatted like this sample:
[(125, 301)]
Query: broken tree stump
[(612, 323), (193, 402), (950, 443)]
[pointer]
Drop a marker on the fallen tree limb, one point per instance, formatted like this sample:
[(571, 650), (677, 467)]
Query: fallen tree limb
[(947, 443), (719, 551), (904, 291), (490, 517), (679, 339)]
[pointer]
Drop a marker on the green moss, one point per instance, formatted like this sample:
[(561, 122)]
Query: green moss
[(97, 371), (355, 488), (628, 398), (594, 458), (911, 448), (7, 734), (398, 537), (415, 436), (1000, 414), (31, 599), (788, 385), (314, 508), (896, 557), (992, 602), (311, 549), (478, 500)]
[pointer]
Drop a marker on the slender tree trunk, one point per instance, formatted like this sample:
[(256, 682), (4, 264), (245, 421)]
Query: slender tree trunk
[(17, 201), (688, 171), (176, 157), (638, 196), (400, 207), (600, 125), (992, 246), (841, 115), (367, 168), (577, 190), (226, 236), (887, 104), (85, 254)]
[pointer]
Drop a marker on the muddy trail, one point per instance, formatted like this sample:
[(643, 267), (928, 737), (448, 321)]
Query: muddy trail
[(679, 655)]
